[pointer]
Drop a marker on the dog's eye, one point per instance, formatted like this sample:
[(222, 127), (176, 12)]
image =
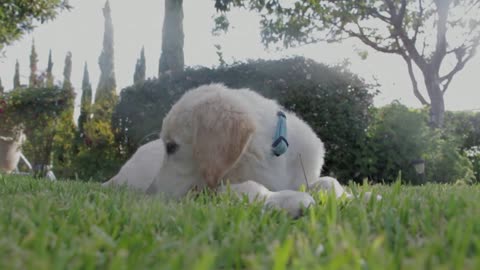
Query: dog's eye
[(172, 147)]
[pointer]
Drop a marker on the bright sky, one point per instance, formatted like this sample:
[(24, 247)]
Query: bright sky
[(139, 23)]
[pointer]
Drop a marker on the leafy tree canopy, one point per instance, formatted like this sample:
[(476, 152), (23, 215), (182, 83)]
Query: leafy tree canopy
[(18, 17), (437, 36)]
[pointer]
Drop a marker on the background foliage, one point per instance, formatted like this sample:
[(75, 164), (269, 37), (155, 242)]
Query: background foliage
[(98, 156), (335, 102), (37, 112), (19, 17), (400, 135), (361, 141)]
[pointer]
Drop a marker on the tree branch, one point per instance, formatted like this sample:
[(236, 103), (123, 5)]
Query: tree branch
[(418, 23), (401, 12), (416, 92), (424, 46), (408, 43), (367, 41), (412, 50), (376, 14), (407, 59), (461, 62), (391, 7), (441, 46)]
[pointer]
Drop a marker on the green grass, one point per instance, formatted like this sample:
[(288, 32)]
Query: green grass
[(74, 225)]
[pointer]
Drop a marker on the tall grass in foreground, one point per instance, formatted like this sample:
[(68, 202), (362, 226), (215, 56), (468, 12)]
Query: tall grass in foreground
[(75, 225)]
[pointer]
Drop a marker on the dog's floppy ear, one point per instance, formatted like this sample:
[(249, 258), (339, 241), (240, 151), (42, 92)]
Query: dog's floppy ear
[(221, 134)]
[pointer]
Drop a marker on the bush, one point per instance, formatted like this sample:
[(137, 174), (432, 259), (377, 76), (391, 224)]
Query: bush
[(333, 101), (473, 155), (98, 156), (36, 111), (64, 148), (396, 138), (465, 128), (27, 107), (446, 163), (400, 135)]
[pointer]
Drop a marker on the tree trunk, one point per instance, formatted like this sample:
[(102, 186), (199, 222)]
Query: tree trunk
[(172, 58), (437, 103)]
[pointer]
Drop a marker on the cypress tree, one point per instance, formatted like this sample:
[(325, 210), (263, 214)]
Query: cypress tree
[(63, 151), (86, 101), (50, 70), (67, 72), (140, 68), (106, 94), (172, 58), (33, 66), (16, 77), (98, 136), (2, 90)]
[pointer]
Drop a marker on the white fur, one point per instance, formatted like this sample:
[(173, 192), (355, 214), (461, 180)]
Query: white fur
[(140, 170), (212, 126)]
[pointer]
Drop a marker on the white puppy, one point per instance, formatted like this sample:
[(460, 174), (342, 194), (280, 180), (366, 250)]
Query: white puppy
[(214, 133), (140, 170)]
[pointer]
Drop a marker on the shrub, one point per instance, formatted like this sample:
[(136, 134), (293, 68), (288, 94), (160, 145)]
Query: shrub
[(465, 128), (64, 148), (26, 107), (473, 155), (36, 111), (446, 163), (98, 156), (396, 138), (400, 135), (335, 102)]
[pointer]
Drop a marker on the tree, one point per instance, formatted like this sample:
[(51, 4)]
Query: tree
[(427, 34), (2, 90), (172, 58), (97, 155), (64, 131), (86, 101), (20, 17), (106, 93), (50, 70), (33, 67), (140, 68), (67, 73), (16, 77)]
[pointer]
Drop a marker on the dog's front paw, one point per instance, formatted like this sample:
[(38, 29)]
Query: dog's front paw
[(294, 202)]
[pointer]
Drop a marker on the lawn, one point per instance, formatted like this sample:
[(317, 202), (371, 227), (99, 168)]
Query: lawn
[(76, 225)]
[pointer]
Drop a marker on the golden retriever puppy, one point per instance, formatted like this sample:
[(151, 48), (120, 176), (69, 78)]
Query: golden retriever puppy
[(213, 134), (142, 167)]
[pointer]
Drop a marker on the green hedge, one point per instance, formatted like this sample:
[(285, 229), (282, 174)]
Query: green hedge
[(335, 102)]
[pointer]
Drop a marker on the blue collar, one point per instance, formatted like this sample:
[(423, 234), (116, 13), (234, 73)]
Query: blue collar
[(280, 143)]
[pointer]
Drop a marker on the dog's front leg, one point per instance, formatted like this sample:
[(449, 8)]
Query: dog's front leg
[(331, 184), (294, 202)]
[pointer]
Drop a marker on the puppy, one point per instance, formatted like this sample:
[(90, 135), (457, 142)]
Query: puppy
[(142, 168), (213, 134)]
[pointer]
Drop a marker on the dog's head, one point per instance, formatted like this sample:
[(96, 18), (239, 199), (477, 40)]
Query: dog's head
[(205, 134)]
